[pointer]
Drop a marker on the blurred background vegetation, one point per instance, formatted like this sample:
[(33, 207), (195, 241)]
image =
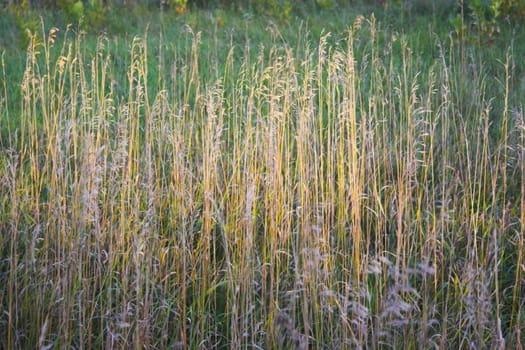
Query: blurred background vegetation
[(471, 22), (482, 11), (474, 20)]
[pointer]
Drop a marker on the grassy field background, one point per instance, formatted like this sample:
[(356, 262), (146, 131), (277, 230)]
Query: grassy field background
[(344, 178)]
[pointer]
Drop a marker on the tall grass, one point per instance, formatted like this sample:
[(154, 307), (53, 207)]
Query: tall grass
[(333, 195)]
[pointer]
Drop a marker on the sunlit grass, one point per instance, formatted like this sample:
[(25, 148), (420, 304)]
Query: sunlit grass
[(331, 195)]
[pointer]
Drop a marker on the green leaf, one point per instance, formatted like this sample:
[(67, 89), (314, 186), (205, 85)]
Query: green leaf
[(77, 10)]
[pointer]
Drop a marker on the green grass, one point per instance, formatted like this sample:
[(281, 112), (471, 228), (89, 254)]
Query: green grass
[(189, 182)]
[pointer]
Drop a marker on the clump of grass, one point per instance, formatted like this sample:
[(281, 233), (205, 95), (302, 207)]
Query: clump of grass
[(334, 195)]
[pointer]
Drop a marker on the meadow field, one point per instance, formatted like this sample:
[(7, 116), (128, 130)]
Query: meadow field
[(223, 180)]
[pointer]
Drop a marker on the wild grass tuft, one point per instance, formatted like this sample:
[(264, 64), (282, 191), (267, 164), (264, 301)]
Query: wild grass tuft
[(335, 194)]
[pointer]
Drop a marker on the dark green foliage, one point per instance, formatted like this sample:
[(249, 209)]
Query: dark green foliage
[(480, 21)]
